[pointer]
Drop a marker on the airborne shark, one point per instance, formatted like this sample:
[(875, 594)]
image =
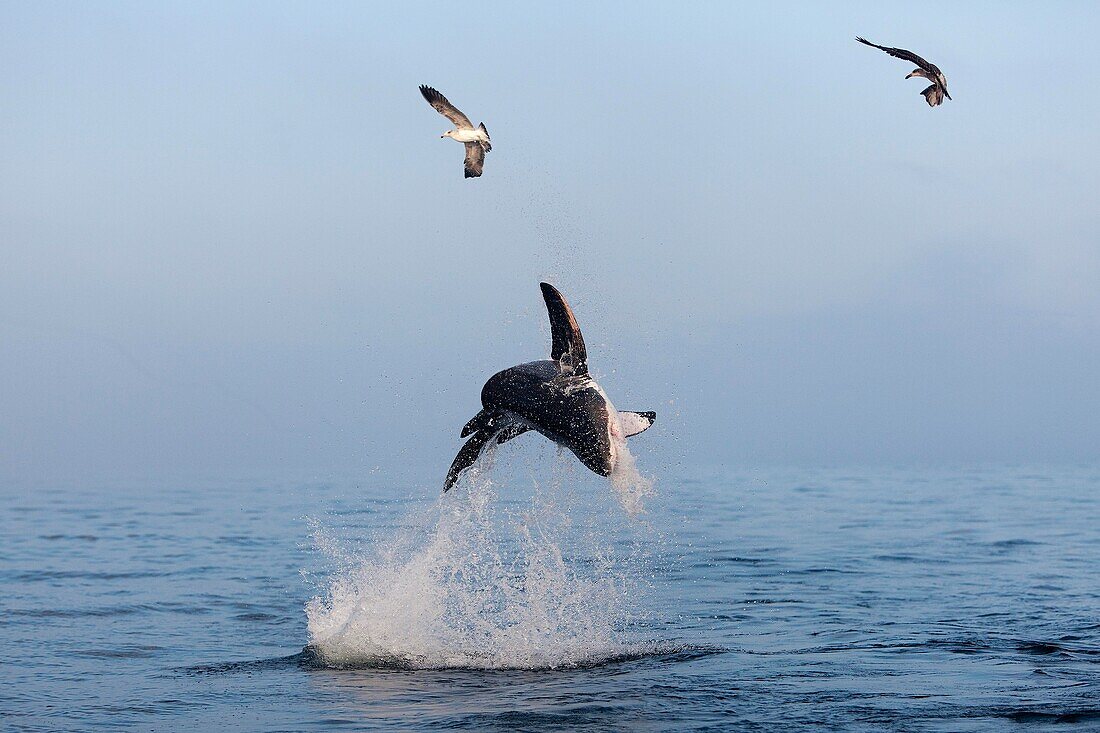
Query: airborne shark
[(556, 397)]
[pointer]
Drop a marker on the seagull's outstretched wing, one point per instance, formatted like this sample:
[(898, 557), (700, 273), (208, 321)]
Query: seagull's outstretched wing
[(934, 95), (475, 159), (901, 53), (445, 108)]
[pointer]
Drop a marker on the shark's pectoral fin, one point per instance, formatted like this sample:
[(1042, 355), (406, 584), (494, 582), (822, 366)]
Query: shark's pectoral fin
[(468, 454), (636, 422)]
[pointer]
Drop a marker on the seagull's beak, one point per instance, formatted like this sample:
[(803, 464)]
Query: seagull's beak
[(909, 75)]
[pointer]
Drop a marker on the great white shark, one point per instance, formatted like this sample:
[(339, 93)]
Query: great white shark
[(556, 397)]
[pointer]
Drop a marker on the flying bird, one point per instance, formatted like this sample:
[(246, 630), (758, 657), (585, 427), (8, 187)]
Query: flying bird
[(935, 93), (476, 139)]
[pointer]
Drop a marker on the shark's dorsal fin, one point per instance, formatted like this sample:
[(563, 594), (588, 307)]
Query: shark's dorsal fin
[(567, 347)]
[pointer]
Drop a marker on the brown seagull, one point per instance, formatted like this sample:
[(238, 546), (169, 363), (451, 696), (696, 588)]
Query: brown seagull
[(476, 139), (935, 93)]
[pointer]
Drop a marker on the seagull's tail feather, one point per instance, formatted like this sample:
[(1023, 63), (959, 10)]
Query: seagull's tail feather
[(485, 143)]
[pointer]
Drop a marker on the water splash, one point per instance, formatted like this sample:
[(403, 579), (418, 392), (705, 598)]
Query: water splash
[(630, 486), (483, 586)]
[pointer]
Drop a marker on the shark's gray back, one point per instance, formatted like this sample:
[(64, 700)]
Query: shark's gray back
[(572, 411)]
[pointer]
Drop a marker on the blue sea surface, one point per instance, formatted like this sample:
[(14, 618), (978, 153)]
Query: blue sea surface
[(777, 599)]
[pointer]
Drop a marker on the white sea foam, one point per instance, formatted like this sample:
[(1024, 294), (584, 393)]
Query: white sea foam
[(479, 585)]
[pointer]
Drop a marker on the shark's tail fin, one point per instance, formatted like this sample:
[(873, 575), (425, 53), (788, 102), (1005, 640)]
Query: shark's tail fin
[(484, 426), (480, 421), (467, 456)]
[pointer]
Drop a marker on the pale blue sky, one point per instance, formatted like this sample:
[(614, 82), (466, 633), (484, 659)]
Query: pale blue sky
[(233, 244)]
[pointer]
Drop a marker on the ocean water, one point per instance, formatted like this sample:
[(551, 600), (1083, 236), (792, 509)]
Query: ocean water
[(543, 598)]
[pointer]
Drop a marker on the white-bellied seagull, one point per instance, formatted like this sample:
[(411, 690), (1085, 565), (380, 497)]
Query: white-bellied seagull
[(476, 139), (933, 94)]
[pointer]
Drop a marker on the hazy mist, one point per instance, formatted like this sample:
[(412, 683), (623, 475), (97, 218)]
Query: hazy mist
[(232, 243)]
